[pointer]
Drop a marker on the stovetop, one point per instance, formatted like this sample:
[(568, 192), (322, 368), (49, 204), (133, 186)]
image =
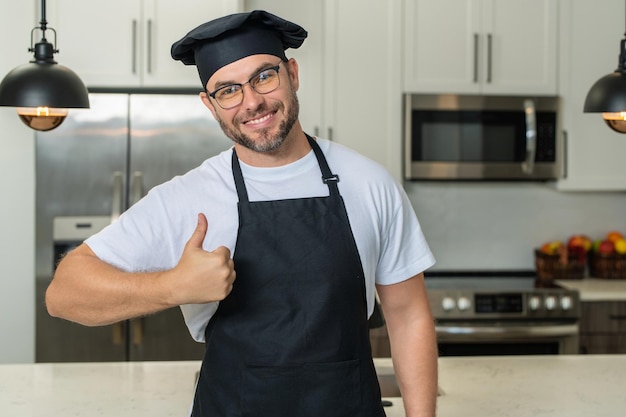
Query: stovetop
[(485, 280), (498, 294)]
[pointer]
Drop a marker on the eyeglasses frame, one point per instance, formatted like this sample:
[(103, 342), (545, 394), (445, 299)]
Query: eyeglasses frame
[(275, 68)]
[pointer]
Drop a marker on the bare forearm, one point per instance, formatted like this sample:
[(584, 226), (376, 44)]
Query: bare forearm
[(414, 354), (413, 344), (88, 291)]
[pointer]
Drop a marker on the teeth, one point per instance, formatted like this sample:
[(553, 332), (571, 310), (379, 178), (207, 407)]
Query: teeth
[(256, 121)]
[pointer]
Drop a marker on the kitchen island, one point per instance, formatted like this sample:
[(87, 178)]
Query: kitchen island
[(502, 386)]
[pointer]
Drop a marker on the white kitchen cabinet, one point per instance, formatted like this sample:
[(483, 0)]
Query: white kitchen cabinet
[(309, 15), (481, 46), (590, 41), (126, 43), (350, 87)]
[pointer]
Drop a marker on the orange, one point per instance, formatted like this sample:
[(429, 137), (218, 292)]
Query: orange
[(614, 236)]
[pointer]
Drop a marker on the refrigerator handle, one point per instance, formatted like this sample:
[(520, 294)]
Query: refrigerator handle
[(117, 200), (136, 327), (137, 193), (118, 333)]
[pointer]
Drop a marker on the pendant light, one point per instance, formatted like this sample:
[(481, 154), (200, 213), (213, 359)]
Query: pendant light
[(43, 90), (608, 95)]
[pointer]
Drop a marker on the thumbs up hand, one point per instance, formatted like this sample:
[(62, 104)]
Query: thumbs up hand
[(202, 276)]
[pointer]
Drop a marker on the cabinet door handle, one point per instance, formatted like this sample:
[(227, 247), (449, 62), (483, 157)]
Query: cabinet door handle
[(330, 133), (617, 316), (134, 52), (149, 46), (475, 57), (489, 56), (564, 155)]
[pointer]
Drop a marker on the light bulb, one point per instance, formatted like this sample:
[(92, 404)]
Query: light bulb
[(616, 121), (42, 118)]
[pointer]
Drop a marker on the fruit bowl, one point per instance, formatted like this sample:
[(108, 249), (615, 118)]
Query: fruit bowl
[(557, 266), (607, 266)]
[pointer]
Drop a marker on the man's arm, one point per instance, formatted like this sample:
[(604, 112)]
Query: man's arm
[(89, 291), (413, 343)]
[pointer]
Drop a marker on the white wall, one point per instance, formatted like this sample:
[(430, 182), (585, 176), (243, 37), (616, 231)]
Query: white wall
[(17, 198), (491, 226)]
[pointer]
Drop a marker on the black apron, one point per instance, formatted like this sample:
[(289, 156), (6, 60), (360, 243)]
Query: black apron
[(291, 339)]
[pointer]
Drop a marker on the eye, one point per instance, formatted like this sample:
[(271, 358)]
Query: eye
[(227, 91), (264, 76)]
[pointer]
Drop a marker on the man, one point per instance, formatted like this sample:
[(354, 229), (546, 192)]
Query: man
[(314, 229)]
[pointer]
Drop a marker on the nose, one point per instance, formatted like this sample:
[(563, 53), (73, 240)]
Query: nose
[(251, 99)]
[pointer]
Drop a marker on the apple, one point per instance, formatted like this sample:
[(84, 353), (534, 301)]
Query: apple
[(606, 247), (579, 241)]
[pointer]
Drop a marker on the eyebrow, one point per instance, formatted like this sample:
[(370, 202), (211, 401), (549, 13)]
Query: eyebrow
[(260, 68)]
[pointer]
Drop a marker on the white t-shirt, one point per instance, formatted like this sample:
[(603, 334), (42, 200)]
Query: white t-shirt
[(151, 235)]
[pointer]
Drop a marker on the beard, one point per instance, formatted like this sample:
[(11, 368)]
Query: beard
[(267, 142)]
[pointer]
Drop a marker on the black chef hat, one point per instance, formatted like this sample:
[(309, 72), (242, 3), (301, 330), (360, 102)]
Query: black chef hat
[(227, 39)]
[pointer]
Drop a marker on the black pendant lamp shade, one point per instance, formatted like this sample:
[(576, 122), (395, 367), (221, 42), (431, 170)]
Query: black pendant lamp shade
[(608, 95), (42, 90)]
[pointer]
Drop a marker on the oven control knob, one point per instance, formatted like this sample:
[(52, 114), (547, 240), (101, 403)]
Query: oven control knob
[(534, 303), (550, 302), (447, 303), (566, 303), (463, 303)]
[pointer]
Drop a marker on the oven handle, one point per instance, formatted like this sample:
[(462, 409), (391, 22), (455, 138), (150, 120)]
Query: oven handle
[(508, 331)]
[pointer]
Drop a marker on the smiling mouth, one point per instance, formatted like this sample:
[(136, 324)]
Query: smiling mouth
[(260, 119)]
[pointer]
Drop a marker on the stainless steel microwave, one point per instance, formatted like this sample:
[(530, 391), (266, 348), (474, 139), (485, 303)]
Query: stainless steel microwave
[(467, 137)]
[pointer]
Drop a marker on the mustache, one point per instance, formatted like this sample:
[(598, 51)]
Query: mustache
[(251, 114)]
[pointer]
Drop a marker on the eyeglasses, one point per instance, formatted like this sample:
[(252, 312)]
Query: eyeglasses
[(265, 81)]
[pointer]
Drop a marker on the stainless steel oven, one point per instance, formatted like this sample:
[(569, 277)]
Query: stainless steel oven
[(465, 137), (499, 314)]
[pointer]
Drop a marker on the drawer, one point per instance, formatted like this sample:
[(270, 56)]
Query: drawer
[(603, 317)]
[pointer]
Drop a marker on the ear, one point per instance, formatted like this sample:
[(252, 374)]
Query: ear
[(206, 100), (292, 69)]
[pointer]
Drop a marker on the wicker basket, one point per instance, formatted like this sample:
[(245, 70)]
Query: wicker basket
[(551, 267), (612, 266)]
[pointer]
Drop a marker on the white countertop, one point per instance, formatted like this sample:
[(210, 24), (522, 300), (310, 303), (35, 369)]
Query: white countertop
[(504, 386), (596, 289)]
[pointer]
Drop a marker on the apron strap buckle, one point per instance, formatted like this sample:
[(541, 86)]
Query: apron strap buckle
[(333, 177)]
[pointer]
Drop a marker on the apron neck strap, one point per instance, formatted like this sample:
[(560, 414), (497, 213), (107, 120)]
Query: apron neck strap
[(328, 177)]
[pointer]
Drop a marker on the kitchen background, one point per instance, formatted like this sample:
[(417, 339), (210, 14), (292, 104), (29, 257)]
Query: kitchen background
[(473, 225)]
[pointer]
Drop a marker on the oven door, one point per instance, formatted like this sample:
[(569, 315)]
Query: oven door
[(479, 338)]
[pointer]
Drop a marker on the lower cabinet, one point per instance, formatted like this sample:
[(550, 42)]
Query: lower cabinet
[(603, 327)]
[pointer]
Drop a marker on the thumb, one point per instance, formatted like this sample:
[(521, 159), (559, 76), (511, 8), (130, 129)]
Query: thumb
[(197, 238)]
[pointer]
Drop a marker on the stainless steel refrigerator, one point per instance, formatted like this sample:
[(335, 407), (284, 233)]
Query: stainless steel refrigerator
[(89, 170)]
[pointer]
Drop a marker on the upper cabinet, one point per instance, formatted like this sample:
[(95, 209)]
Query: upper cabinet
[(126, 43), (590, 40), (350, 78), (481, 46)]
